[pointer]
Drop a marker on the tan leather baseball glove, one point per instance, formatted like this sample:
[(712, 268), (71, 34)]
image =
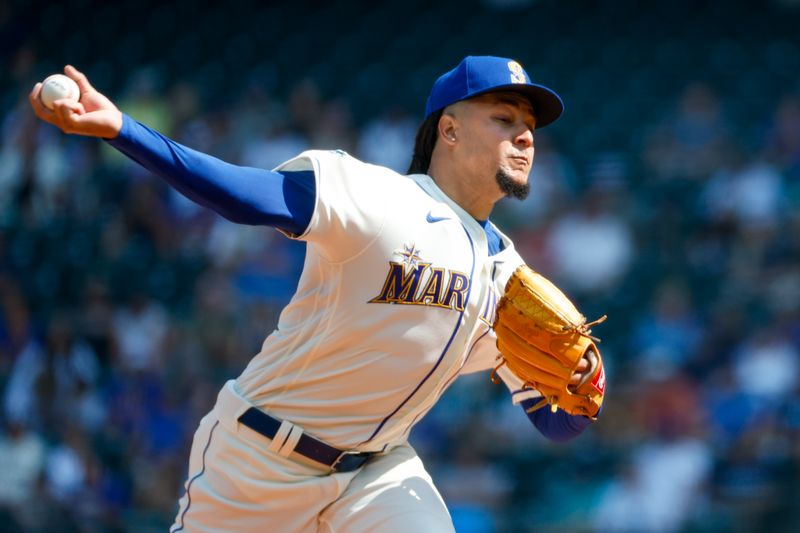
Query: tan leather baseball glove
[(542, 337)]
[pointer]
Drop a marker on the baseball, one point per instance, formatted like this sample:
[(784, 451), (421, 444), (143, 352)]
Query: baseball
[(56, 87)]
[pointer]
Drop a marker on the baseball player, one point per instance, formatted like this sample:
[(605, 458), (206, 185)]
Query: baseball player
[(396, 300)]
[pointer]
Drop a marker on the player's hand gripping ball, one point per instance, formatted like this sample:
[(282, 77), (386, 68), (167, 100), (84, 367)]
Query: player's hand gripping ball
[(57, 87)]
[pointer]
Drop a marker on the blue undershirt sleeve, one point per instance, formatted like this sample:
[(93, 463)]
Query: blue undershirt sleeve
[(559, 426), (246, 195)]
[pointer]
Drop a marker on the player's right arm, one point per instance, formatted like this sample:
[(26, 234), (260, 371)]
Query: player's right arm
[(284, 200)]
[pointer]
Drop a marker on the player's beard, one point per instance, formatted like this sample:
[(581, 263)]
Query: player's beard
[(510, 187)]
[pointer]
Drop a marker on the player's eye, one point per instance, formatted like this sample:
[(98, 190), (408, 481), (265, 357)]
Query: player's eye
[(503, 119)]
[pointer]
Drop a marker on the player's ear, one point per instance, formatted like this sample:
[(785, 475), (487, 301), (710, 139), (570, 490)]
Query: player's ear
[(448, 126)]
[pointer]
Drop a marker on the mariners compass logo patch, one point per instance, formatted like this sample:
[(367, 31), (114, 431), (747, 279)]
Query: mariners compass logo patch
[(410, 256)]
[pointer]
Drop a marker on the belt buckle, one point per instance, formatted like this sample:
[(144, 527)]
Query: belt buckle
[(343, 455)]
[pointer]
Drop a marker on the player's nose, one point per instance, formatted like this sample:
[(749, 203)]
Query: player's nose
[(524, 138)]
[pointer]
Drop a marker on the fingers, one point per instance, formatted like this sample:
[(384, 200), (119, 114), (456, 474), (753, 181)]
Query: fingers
[(61, 114), (577, 375), (68, 112), (586, 367), (65, 114), (80, 79), (38, 107), (67, 109), (33, 96)]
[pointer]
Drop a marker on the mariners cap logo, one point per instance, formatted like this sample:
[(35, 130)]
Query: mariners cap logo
[(480, 74), (517, 74)]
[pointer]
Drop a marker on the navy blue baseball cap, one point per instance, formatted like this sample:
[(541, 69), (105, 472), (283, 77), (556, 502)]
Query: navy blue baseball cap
[(477, 75)]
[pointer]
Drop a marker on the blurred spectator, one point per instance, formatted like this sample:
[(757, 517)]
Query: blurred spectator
[(271, 145), (388, 140), (305, 108), (590, 248), (731, 411), (51, 172), (54, 379), (746, 190), (746, 479), (229, 244), (22, 458), (18, 136), (767, 365), (184, 104), (66, 473), (333, 129), (16, 328), (660, 491), (667, 336), (782, 291), (146, 216), (783, 140), (144, 100), (140, 329), (661, 487), (96, 322), (689, 143), (474, 487)]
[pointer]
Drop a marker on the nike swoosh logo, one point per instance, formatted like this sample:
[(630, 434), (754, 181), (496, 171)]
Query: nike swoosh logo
[(432, 218)]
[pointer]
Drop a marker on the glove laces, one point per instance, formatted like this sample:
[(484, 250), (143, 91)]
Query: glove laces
[(585, 328)]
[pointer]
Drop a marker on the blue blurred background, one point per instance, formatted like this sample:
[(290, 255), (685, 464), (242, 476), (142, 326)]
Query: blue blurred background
[(667, 197)]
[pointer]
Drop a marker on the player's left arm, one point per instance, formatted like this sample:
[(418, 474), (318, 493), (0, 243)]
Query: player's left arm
[(558, 426)]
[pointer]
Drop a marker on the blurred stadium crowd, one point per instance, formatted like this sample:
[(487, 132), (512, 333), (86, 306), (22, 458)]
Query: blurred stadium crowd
[(667, 197)]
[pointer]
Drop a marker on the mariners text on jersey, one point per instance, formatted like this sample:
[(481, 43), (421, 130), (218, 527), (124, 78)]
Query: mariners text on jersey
[(422, 284)]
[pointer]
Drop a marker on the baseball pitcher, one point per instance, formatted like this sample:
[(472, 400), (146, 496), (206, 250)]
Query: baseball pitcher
[(406, 285)]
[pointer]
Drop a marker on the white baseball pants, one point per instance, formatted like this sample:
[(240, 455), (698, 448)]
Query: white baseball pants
[(237, 484)]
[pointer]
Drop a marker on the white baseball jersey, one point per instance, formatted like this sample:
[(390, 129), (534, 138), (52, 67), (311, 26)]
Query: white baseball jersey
[(395, 301)]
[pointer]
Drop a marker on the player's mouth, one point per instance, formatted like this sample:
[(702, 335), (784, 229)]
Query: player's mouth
[(521, 160)]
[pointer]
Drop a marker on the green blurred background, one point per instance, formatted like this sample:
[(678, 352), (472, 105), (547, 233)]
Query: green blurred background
[(667, 197)]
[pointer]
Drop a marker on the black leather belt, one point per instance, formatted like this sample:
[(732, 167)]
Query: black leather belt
[(308, 446)]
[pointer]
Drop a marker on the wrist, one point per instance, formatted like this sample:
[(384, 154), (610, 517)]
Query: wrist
[(115, 126)]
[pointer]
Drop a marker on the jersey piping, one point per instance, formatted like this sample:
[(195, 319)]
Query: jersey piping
[(441, 356)]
